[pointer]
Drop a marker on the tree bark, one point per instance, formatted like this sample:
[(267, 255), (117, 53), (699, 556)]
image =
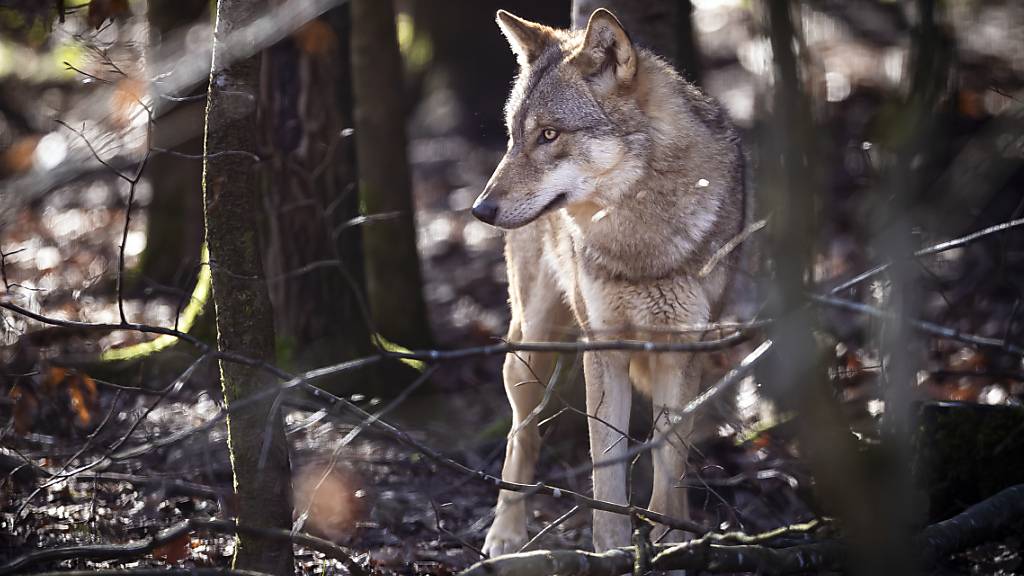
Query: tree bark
[(478, 78), (313, 257), (259, 452), (393, 278), (795, 376), (174, 230), (664, 26)]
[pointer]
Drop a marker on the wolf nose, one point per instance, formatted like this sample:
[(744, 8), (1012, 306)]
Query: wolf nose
[(486, 210)]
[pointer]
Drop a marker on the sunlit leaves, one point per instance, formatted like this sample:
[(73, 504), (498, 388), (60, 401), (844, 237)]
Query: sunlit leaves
[(27, 23)]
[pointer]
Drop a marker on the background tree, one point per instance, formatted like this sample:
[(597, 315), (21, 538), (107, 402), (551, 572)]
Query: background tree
[(173, 242), (256, 440), (665, 26), (313, 246), (393, 278), (474, 62)]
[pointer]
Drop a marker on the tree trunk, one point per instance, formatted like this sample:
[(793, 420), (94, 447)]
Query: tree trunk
[(244, 316), (313, 258), (392, 262), (664, 26), (174, 230), (478, 78), (795, 376)]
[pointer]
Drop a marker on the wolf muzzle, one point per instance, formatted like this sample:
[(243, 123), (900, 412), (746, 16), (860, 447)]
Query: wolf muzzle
[(485, 209)]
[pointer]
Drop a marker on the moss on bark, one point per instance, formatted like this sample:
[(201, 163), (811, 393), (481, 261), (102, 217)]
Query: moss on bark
[(259, 451), (393, 278)]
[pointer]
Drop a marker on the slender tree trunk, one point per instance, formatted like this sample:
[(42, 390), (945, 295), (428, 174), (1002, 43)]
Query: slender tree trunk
[(393, 276), (259, 452), (313, 256), (174, 230), (664, 26), (795, 375), (478, 78)]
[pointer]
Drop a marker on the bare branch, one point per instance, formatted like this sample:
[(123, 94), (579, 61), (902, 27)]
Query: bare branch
[(545, 530), (922, 325), (172, 486), (931, 251), (975, 525), (731, 245), (716, 554), (155, 572), (401, 436), (171, 534)]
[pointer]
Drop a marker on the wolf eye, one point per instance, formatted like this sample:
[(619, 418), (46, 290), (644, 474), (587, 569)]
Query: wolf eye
[(547, 135)]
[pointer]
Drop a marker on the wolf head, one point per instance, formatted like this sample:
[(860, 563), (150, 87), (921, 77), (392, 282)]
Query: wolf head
[(574, 118)]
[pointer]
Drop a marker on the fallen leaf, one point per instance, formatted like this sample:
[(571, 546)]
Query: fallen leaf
[(19, 157), (174, 551)]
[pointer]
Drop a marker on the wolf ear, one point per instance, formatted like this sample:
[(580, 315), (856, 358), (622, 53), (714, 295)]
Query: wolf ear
[(527, 39), (607, 46)]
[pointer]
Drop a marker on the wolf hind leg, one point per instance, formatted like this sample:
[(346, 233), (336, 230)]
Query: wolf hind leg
[(674, 381), (538, 314), (608, 399)]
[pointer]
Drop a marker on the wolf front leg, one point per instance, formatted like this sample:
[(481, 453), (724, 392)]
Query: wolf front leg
[(538, 314), (608, 400), (675, 380), (508, 532)]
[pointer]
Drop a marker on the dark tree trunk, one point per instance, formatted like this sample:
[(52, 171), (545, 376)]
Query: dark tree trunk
[(244, 316), (664, 26), (393, 278), (174, 230), (313, 258), (479, 77), (795, 376)]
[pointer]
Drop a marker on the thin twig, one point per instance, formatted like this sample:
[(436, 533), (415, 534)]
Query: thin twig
[(186, 156), (930, 251), (731, 245), (554, 524), (921, 325)]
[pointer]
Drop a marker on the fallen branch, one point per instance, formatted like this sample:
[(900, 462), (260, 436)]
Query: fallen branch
[(325, 547), (97, 551), (824, 556), (711, 553), (171, 534), (154, 572), (171, 486), (975, 525)]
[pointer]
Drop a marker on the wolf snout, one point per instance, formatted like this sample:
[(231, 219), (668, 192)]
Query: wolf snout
[(485, 209)]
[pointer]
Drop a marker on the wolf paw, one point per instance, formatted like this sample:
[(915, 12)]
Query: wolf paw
[(503, 541)]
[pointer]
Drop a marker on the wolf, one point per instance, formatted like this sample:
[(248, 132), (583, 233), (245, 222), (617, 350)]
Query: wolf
[(621, 180)]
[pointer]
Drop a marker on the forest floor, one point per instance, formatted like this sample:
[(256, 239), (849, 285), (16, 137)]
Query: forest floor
[(397, 511)]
